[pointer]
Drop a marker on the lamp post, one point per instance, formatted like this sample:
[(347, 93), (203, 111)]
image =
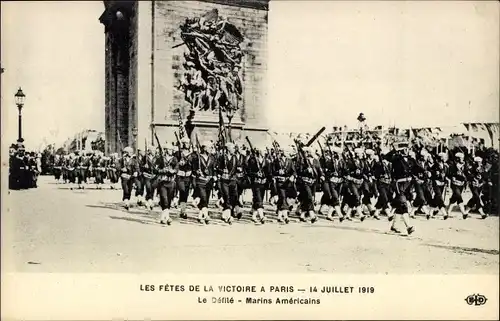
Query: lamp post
[(19, 97)]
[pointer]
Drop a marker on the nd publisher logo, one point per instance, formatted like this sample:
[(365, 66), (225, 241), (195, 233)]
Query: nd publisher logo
[(476, 299)]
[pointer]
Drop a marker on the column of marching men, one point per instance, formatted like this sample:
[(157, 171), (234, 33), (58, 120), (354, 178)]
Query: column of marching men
[(355, 183)]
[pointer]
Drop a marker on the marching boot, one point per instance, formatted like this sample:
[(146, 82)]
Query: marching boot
[(200, 216), (321, 209), (254, 216), (280, 216), (360, 213), (175, 202), (219, 202), (206, 215), (338, 210), (449, 208), (302, 216), (262, 218), (376, 214), (462, 210), (445, 214), (285, 217), (165, 217), (329, 214), (150, 204), (372, 209), (347, 215), (313, 216), (483, 214), (226, 216), (393, 225), (238, 213), (182, 207), (196, 202), (127, 204)]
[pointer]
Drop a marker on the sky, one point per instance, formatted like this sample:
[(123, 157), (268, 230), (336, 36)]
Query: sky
[(400, 63)]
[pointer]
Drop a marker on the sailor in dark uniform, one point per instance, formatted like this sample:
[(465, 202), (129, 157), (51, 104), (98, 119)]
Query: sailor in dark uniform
[(476, 180), (309, 173), (354, 179), (383, 175), (458, 181), (99, 167), (166, 168), (204, 175), (184, 158), (283, 172), (227, 164), (129, 168), (369, 188), (146, 164), (401, 173), (421, 179), (258, 171), (334, 170), (440, 182)]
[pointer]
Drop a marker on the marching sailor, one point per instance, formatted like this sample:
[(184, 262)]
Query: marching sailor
[(166, 168), (458, 179), (257, 167), (129, 168), (184, 172), (204, 174)]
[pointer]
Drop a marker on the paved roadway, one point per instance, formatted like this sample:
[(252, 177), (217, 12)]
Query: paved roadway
[(55, 229)]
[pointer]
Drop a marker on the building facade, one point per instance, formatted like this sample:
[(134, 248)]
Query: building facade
[(149, 51)]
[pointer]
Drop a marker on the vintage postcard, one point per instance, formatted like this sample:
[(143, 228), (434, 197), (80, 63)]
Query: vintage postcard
[(250, 159)]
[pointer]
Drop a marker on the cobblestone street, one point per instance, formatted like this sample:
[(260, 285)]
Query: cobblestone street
[(55, 229)]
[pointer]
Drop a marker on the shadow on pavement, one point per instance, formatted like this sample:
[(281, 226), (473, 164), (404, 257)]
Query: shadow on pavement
[(464, 250)]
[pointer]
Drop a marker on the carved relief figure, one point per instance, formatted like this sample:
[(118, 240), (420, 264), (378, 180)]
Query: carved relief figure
[(212, 63)]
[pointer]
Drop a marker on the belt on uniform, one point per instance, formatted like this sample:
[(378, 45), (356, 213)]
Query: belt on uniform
[(203, 179), (308, 180), (335, 179), (147, 175), (402, 180), (165, 178), (355, 180), (280, 178), (439, 183), (125, 175), (226, 176), (457, 182), (259, 181), (385, 180), (476, 184), (183, 173)]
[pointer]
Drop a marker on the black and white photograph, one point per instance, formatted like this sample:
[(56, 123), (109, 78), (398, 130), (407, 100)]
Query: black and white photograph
[(249, 137)]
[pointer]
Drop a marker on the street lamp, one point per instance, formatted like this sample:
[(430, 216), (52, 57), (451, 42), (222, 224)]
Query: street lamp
[(19, 98)]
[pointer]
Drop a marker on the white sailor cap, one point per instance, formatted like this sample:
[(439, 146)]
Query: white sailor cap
[(336, 150), (185, 140), (370, 152), (128, 150), (358, 150), (229, 145), (442, 155), (478, 159), (459, 155), (411, 154), (424, 152)]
